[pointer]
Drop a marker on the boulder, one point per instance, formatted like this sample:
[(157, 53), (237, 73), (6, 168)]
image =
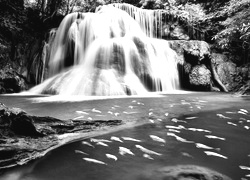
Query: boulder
[(200, 77), (11, 81)]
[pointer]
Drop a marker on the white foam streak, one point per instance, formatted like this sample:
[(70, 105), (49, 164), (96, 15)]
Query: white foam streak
[(123, 151), (210, 153), (94, 161)]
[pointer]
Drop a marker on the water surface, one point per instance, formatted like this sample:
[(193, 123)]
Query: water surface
[(187, 126)]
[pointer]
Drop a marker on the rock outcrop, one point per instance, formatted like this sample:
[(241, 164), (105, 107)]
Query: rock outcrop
[(24, 137), (226, 70), (235, 78), (11, 81), (197, 72)]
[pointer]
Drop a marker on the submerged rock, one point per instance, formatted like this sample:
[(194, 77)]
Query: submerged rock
[(186, 172), (24, 137)]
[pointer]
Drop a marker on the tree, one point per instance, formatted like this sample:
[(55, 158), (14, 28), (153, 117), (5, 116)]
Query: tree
[(234, 32)]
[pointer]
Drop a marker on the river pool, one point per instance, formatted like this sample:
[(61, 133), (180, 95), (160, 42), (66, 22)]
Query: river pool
[(203, 129)]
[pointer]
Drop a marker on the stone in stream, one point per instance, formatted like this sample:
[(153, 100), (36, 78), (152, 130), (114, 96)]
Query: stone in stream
[(184, 172)]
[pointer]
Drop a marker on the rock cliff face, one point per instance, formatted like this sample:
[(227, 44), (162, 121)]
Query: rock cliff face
[(197, 72), (24, 137), (226, 70), (235, 78)]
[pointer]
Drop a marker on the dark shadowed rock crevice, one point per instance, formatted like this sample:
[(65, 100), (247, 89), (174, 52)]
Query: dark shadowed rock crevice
[(24, 137)]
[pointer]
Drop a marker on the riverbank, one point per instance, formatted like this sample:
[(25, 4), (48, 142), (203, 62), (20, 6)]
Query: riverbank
[(25, 137)]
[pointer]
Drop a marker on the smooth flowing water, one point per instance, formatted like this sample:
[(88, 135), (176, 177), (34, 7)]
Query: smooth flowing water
[(110, 52), (205, 129)]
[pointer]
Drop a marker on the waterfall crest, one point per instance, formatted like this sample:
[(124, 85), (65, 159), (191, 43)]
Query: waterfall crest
[(150, 21), (110, 53)]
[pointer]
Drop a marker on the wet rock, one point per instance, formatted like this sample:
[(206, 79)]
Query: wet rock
[(227, 72), (244, 89), (151, 4), (24, 137), (245, 73), (187, 67), (233, 77), (190, 51), (187, 172), (141, 64), (11, 81), (174, 31), (218, 58), (196, 70), (179, 33), (200, 77)]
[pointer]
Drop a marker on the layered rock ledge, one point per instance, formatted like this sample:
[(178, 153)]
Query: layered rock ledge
[(24, 137)]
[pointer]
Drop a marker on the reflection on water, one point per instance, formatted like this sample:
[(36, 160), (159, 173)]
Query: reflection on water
[(209, 130)]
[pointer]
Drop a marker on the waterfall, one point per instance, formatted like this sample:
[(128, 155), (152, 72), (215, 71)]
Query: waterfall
[(150, 21), (109, 53), (46, 54)]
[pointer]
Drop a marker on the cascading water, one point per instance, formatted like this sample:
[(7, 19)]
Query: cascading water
[(109, 53), (149, 20)]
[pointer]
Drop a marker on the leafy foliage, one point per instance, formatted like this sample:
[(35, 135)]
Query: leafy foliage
[(233, 33), (237, 24)]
